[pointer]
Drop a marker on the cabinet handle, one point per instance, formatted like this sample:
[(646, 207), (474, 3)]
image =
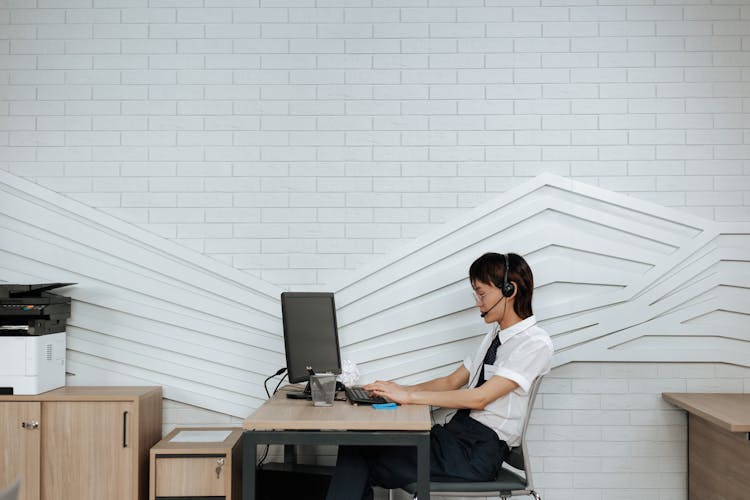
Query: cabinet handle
[(124, 429), (30, 425)]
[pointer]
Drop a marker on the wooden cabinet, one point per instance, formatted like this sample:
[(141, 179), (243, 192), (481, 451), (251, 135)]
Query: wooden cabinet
[(19, 446), (205, 468), (82, 443)]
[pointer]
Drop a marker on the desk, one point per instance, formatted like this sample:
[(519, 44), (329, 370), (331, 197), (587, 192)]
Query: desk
[(718, 444), (292, 421)]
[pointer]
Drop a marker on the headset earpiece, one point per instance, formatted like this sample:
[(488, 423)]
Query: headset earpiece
[(508, 288)]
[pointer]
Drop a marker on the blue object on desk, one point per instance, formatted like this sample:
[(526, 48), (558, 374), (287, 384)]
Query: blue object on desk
[(384, 406)]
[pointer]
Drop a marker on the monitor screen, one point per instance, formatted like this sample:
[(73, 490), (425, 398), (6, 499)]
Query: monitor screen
[(310, 334)]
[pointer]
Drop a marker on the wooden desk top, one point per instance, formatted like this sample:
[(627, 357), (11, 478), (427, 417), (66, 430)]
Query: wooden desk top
[(728, 411), (281, 413)]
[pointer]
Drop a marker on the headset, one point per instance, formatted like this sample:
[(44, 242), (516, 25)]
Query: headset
[(508, 288)]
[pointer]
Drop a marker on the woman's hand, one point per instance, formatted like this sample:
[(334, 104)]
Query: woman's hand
[(390, 391)]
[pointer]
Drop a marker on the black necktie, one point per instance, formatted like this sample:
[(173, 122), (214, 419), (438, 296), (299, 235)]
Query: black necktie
[(489, 358)]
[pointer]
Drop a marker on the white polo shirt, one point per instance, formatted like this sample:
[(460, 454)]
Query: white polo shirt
[(524, 354)]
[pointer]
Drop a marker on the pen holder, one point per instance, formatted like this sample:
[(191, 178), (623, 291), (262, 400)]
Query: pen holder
[(323, 388)]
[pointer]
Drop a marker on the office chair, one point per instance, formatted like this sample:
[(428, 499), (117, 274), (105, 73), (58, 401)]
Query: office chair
[(12, 492), (507, 483)]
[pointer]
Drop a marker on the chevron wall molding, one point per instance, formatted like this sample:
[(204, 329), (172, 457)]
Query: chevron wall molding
[(144, 310), (617, 279)]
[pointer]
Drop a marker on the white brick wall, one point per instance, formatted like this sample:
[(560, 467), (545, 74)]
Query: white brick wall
[(601, 430), (411, 113), (294, 140)]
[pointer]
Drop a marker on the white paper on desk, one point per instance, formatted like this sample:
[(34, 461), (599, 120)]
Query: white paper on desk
[(200, 436)]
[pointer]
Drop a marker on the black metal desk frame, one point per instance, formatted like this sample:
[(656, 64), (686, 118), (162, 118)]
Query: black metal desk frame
[(252, 438)]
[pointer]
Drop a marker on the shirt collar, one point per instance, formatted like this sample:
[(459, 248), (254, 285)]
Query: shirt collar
[(509, 332)]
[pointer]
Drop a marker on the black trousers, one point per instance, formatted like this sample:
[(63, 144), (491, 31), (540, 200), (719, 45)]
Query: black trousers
[(462, 450)]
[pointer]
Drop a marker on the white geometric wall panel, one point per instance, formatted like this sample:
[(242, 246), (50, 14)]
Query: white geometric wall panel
[(144, 310), (617, 279)]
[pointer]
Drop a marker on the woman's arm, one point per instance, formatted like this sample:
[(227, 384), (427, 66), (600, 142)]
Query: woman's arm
[(474, 399), (455, 380)]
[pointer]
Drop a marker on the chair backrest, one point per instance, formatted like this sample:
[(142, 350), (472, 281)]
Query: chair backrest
[(12, 492), (518, 455)]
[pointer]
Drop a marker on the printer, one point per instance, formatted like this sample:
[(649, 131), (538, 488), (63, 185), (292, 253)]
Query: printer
[(32, 338)]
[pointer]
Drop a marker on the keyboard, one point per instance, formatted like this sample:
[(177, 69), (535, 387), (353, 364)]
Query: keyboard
[(358, 396)]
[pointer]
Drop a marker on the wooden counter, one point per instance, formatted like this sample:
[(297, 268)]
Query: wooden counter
[(719, 444), (80, 442)]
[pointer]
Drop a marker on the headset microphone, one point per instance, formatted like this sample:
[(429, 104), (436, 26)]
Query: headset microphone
[(507, 288), (485, 313)]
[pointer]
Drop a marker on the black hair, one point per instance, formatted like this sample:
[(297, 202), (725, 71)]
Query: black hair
[(490, 268)]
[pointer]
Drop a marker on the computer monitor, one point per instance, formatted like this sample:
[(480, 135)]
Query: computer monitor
[(310, 334)]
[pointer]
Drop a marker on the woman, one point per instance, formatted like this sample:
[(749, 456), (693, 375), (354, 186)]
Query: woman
[(489, 391)]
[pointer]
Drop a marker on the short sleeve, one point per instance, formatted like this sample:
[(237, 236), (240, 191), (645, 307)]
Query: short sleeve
[(527, 361), (468, 363)]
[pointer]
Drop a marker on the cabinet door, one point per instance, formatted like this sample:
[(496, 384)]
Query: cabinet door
[(89, 450), (19, 447)]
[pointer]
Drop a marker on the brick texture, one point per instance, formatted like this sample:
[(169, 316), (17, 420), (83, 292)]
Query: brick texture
[(410, 113)]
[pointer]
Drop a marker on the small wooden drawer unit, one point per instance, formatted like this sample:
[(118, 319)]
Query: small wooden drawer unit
[(197, 462)]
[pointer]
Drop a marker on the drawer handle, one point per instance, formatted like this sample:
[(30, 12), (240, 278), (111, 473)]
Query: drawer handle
[(219, 465), (30, 425)]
